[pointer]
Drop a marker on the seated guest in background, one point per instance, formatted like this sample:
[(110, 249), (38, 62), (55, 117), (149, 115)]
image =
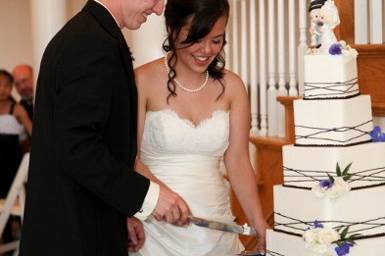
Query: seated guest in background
[(13, 121), (23, 77), (24, 84)]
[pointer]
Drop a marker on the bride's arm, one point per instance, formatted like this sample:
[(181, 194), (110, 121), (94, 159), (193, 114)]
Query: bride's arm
[(170, 206), (237, 162), (140, 167)]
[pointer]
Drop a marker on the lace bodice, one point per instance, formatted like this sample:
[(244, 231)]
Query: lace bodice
[(166, 133)]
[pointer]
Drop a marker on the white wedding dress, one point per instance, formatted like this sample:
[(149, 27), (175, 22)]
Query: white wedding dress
[(187, 158)]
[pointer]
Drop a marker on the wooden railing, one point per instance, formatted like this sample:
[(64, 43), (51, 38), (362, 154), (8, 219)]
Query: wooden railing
[(269, 167), (371, 59)]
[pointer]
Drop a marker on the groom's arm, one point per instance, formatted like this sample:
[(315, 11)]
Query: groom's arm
[(85, 77)]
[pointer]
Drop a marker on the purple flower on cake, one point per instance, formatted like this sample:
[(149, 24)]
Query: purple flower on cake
[(326, 183), (377, 135), (343, 249), (335, 49), (318, 224)]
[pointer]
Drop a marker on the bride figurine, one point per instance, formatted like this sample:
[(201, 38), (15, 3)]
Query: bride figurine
[(324, 18)]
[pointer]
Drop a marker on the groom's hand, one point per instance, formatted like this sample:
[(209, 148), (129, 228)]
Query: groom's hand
[(171, 208), (135, 234)]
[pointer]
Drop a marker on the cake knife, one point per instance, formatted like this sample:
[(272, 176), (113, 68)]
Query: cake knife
[(234, 228)]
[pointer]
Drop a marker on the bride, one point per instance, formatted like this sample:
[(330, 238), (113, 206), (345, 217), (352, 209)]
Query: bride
[(192, 114)]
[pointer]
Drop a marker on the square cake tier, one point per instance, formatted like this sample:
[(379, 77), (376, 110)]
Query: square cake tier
[(363, 211), (333, 122), (305, 166), (281, 244), (330, 76)]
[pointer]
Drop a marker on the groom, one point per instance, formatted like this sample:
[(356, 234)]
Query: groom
[(82, 185)]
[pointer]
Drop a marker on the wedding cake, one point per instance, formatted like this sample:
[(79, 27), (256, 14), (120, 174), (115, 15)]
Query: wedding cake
[(332, 201)]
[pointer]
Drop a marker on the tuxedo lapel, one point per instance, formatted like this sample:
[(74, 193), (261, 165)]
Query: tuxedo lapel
[(127, 60), (105, 19)]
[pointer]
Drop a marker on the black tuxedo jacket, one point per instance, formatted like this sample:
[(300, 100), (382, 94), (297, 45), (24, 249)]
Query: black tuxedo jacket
[(28, 106), (81, 184)]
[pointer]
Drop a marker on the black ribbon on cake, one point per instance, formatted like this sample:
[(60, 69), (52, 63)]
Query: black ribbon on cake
[(294, 225), (300, 176), (336, 90), (272, 253), (317, 131)]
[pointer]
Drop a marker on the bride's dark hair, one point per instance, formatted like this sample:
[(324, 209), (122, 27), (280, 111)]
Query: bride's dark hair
[(203, 14)]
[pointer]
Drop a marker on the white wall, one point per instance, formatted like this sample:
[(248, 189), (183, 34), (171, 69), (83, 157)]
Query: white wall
[(74, 6), (16, 39), (15, 33), (146, 42), (16, 36)]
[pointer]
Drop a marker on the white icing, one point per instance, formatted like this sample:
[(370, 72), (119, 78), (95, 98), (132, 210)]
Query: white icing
[(357, 206), (351, 120), (304, 166), (280, 244), (330, 76)]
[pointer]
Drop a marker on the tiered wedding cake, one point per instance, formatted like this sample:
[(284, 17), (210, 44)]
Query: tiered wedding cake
[(332, 201)]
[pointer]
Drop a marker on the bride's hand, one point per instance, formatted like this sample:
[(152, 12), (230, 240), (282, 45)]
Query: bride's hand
[(261, 228), (171, 207), (135, 234)]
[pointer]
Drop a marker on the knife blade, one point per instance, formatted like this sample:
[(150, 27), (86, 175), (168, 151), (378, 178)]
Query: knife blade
[(227, 227), (251, 253)]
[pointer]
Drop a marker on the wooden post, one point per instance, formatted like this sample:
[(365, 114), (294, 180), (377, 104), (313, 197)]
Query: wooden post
[(345, 31), (287, 102), (371, 58)]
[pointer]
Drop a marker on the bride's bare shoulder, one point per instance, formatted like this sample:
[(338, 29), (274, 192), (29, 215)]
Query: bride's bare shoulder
[(234, 84)]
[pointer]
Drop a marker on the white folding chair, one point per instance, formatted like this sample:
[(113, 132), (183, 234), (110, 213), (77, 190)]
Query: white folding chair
[(13, 204)]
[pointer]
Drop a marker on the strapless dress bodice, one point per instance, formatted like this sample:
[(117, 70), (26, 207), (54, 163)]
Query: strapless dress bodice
[(186, 157), (165, 133)]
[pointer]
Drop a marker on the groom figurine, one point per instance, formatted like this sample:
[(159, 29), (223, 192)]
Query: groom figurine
[(82, 185), (324, 18)]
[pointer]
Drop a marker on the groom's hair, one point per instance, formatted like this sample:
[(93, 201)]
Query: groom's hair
[(203, 15)]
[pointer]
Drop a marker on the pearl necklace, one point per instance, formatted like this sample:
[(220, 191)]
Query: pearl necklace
[(180, 85)]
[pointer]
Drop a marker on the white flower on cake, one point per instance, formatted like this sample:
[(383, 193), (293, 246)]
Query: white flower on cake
[(328, 236), (333, 187), (350, 52), (337, 189), (327, 241), (319, 239)]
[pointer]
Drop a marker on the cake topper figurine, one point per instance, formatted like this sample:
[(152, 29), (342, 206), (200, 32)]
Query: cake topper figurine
[(324, 18)]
